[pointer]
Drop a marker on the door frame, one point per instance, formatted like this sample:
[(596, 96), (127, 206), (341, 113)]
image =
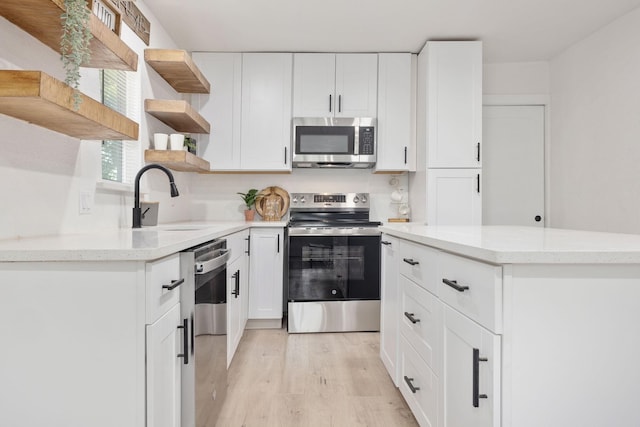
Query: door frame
[(532, 100)]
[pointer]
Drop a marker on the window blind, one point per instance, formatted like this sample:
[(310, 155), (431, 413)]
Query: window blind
[(121, 92)]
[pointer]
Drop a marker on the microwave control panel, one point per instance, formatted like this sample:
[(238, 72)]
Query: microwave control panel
[(366, 143)]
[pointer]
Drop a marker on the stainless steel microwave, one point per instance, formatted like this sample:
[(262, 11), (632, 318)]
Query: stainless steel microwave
[(334, 142)]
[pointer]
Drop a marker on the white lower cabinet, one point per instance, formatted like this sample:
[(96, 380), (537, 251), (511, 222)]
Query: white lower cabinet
[(164, 343), (237, 290), (419, 386), (266, 275), (389, 294), (471, 380)]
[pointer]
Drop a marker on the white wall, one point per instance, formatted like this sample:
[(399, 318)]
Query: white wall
[(595, 128), (43, 172), (516, 78)]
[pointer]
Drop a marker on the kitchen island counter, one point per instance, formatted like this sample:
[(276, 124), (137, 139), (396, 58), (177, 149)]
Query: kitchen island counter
[(524, 245)]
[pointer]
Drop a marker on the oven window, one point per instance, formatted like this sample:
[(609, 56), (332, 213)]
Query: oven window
[(324, 268), (324, 140)]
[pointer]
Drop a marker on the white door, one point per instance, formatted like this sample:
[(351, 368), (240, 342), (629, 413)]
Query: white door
[(266, 111), (454, 196), (471, 378), (314, 76), (164, 341), (356, 85), (513, 165), (221, 107), (265, 294)]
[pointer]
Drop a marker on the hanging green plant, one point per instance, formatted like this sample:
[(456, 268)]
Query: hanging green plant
[(74, 43)]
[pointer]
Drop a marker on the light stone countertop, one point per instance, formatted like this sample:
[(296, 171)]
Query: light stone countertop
[(524, 245), (146, 243)]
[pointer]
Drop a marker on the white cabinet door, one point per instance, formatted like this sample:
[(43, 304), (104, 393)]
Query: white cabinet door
[(164, 343), (340, 85), (453, 77), (396, 100), (221, 107), (356, 85), (471, 380), (234, 306), (389, 304), (453, 197), (266, 260), (266, 111), (314, 84)]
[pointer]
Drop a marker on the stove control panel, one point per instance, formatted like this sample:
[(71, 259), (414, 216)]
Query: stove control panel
[(329, 200)]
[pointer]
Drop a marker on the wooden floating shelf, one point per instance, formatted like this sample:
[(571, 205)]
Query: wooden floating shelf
[(178, 69), (179, 115), (40, 99), (177, 160), (41, 19)]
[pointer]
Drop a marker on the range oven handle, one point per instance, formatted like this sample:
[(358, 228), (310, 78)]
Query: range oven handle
[(213, 263)]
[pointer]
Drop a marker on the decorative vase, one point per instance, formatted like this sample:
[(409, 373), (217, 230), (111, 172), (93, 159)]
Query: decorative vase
[(249, 214)]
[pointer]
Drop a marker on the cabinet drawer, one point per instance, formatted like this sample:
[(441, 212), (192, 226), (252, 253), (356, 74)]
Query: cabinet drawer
[(419, 263), (473, 288), (414, 372), (421, 321), (160, 275), (238, 244)]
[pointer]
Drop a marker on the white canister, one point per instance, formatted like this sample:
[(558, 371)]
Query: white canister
[(160, 141), (176, 141)]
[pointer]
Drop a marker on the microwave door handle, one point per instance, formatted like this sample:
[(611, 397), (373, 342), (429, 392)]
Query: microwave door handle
[(212, 264)]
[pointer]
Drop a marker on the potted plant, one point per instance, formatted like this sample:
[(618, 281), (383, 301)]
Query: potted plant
[(249, 199), (190, 144)]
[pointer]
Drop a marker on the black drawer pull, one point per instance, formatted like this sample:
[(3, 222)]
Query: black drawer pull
[(410, 261), (174, 284), (410, 317), (454, 285), (410, 384), (476, 378), (384, 242)]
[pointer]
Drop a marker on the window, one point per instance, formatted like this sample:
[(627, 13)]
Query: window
[(121, 92)]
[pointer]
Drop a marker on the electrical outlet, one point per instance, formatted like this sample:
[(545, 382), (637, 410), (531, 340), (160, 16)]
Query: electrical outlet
[(86, 202)]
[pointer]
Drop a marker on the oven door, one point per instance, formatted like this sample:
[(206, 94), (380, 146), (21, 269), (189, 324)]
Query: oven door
[(334, 268)]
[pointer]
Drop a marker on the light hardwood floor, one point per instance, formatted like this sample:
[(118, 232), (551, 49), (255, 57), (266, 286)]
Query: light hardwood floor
[(308, 380)]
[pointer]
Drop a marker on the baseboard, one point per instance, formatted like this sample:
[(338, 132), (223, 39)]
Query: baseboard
[(264, 324)]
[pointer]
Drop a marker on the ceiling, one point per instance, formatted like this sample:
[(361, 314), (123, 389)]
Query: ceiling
[(511, 30)]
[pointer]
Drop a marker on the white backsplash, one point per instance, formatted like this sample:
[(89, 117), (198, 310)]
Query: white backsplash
[(213, 197)]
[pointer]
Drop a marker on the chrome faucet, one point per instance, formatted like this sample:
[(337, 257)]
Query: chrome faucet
[(137, 211)]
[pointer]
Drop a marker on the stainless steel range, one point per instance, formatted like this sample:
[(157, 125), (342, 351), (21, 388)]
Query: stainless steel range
[(334, 264)]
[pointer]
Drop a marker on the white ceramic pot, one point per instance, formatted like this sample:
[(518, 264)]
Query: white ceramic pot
[(176, 141), (160, 141)]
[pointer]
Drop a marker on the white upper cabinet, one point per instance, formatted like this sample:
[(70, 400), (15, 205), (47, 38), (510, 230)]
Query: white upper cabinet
[(396, 112), (221, 107), (450, 90), (266, 111), (453, 197), (335, 85)]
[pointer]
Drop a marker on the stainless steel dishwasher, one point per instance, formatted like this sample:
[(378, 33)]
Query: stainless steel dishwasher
[(203, 301)]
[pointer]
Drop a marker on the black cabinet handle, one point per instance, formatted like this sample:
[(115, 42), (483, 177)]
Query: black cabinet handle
[(478, 183), (278, 242), (405, 155), (384, 242), (248, 251), (476, 377), (410, 261), (454, 285), (410, 317), (409, 382), (478, 156), (285, 155), (339, 103), (174, 284), (330, 103), (185, 341), (236, 288)]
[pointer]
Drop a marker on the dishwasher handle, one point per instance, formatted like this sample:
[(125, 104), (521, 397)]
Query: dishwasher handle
[(205, 264)]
